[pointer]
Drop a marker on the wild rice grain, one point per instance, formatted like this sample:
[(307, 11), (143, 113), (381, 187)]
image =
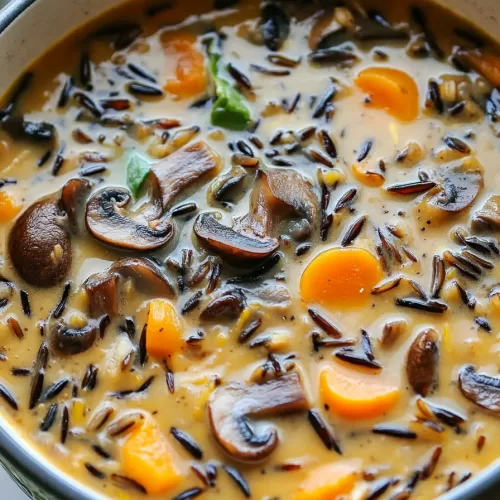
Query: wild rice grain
[(237, 477), (188, 494), (94, 471), (323, 431), (187, 442), (25, 303), (49, 418), (127, 483), (64, 425)]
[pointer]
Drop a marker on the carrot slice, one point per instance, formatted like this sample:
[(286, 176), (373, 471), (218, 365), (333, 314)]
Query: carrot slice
[(355, 395), (329, 481), (190, 73), (366, 175), (9, 206), (340, 277), (149, 459), (164, 330), (392, 90)]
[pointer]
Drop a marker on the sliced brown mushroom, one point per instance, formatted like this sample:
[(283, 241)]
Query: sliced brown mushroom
[(486, 64), (102, 288), (40, 244), (488, 216), (179, 171), (482, 390), (459, 186), (230, 243), (422, 362), (230, 304), (72, 195), (230, 406), (277, 192), (67, 340), (108, 220), (102, 292)]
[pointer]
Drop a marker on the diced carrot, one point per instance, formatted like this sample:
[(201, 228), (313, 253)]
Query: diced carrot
[(329, 481), (9, 206), (340, 277), (149, 459), (486, 64), (164, 330), (366, 175), (190, 73), (392, 90), (354, 394)]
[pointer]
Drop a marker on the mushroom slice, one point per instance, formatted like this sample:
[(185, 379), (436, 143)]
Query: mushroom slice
[(230, 243), (102, 288), (40, 244), (482, 390), (67, 340), (146, 275), (102, 292), (230, 406), (276, 192), (488, 216), (72, 195), (422, 362), (460, 185), (230, 304), (108, 221), (182, 169)]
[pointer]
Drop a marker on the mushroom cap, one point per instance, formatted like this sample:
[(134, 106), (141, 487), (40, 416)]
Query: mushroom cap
[(182, 169), (107, 221), (40, 244), (482, 390), (422, 362), (229, 407), (231, 243)]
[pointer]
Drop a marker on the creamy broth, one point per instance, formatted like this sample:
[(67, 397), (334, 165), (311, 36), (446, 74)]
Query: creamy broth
[(402, 232)]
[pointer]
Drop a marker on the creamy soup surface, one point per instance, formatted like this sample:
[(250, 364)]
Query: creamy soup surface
[(249, 250)]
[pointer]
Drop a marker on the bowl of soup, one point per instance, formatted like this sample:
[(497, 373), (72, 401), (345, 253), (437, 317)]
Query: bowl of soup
[(250, 249)]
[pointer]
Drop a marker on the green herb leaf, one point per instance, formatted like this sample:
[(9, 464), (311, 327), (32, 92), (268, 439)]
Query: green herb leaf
[(138, 169), (229, 110)]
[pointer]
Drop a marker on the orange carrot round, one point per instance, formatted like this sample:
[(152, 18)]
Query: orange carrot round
[(340, 277), (392, 90), (356, 395), (329, 481), (9, 207), (164, 330), (190, 76)]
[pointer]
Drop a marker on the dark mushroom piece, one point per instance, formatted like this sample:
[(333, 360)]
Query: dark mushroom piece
[(488, 216), (482, 390), (229, 304), (102, 288), (277, 192), (275, 27), (422, 362), (459, 186), (107, 220), (40, 244), (72, 195), (230, 406), (233, 244), (67, 340), (180, 170)]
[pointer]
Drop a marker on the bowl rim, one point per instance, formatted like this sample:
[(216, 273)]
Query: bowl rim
[(18, 456)]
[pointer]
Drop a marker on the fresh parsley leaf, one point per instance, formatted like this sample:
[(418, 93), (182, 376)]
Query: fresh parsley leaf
[(138, 168)]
